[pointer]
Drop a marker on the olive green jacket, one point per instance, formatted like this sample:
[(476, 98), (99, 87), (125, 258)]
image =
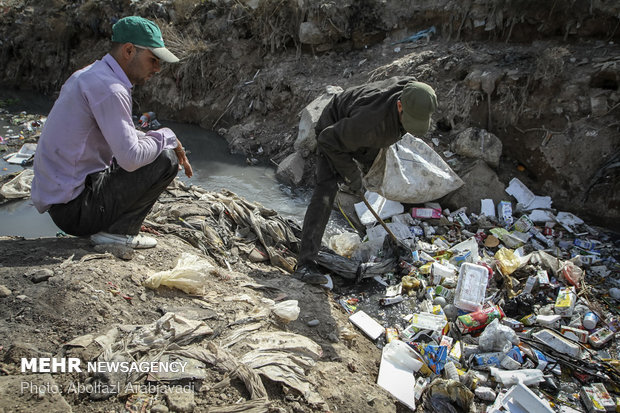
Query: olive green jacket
[(357, 123)]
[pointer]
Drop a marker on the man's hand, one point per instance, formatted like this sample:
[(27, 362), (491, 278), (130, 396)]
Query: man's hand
[(183, 161), (356, 187)]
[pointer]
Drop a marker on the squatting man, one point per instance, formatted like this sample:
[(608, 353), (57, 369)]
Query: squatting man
[(94, 173), (351, 130)]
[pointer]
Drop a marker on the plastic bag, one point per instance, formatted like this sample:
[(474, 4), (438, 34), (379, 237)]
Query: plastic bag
[(410, 171), (189, 275), (286, 310), (18, 187), (345, 243), (507, 261), (497, 337)]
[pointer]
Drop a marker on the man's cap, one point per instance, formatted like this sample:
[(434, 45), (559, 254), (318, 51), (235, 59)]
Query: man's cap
[(419, 102), (142, 32)]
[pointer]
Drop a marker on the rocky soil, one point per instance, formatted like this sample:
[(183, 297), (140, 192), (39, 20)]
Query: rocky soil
[(540, 79)]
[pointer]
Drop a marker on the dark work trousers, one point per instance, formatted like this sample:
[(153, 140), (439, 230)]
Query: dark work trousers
[(318, 212), (116, 201)]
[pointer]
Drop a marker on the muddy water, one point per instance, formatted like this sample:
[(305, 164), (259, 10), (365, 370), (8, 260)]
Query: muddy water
[(214, 169)]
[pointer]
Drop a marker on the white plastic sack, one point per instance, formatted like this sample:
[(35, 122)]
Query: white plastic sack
[(410, 171), (190, 275), (18, 187), (287, 310), (344, 243), (382, 206)]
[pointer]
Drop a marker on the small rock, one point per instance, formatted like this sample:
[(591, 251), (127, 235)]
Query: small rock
[(41, 275), (333, 337), (313, 323), (4, 291), (159, 408), (615, 293), (22, 297), (119, 251), (180, 401), (440, 301)]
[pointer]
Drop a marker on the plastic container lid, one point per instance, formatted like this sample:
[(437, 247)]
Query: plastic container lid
[(471, 287)]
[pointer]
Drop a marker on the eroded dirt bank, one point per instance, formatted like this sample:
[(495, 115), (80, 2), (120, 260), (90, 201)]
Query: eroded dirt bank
[(542, 77)]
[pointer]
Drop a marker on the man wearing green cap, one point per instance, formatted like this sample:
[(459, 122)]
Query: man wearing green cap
[(94, 172), (351, 130)]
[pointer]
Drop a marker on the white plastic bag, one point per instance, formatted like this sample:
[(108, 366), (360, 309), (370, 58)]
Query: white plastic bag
[(410, 171), (344, 243), (287, 310), (18, 187), (190, 275)]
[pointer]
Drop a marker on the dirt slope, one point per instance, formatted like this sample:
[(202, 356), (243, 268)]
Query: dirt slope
[(550, 73)]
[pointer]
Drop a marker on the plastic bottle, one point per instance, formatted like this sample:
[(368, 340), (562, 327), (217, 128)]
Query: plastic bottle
[(146, 118), (399, 353), (451, 371), (590, 320)]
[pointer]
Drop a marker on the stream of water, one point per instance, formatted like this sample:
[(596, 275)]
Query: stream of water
[(215, 168)]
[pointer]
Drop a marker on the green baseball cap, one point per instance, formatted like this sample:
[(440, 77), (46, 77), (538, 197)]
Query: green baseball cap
[(144, 33), (419, 102)]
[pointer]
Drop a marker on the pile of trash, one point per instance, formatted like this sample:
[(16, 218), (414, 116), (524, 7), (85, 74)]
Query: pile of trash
[(515, 309)]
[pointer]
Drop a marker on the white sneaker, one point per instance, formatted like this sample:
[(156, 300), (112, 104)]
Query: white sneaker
[(133, 241)]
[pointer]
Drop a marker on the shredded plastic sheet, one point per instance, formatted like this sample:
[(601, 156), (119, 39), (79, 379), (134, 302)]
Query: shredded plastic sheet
[(410, 171), (189, 275), (18, 187)]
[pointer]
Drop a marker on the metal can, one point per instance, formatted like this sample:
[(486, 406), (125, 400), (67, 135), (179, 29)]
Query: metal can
[(391, 334)]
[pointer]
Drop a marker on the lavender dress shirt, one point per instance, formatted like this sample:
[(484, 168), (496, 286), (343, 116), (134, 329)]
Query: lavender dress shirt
[(89, 124)]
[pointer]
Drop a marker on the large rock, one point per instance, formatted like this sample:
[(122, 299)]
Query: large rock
[(309, 33), (291, 169), (306, 138), (480, 144), (481, 182)]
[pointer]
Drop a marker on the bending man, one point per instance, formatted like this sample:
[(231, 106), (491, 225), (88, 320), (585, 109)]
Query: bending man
[(351, 130)]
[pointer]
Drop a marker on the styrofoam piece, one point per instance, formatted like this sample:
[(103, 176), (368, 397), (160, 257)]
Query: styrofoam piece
[(510, 377), (400, 231), (568, 220), (525, 197), (383, 207), (539, 215), (396, 374), (26, 152), (402, 355), (440, 271), (521, 399), (471, 287), (487, 207), (540, 202), (367, 324), (558, 342), (520, 192)]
